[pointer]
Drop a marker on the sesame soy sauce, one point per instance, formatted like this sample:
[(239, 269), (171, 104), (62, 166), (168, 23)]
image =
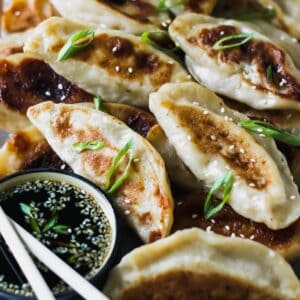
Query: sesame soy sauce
[(64, 218)]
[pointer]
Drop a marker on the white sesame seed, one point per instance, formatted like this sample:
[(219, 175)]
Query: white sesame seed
[(179, 203), (208, 228), (194, 216), (242, 150), (114, 49), (213, 137), (252, 237), (213, 221), (233, 235), (127, 212), (227, 227), (130, 70), (205, 112), (117, 68), (60, 86), (282, 82), (242, 236)]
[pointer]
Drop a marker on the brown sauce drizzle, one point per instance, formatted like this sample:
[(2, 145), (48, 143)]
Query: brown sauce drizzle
[(262, 54), (33, 81), (189, 213)]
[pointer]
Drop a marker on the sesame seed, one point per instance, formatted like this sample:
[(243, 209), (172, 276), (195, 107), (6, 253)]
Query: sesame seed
[(130, 70), (114, 49), (194, 216), (205, 112), (227, 227), (60, 86), (208, 228), (179, 203), (213, 137), (117, 68), (252, 237)]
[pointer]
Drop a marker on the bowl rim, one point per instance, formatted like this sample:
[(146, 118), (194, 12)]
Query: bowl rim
[(109, 261)]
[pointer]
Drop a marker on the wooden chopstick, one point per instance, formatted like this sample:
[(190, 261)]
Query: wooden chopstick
[(82, 286), (34, 277)]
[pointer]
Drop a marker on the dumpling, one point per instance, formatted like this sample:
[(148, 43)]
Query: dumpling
[(189, 213), (117, 66), (205, 135), (101, 14), (259, 73), (144, 198), (25, 14), (192, 264), (26, 80)]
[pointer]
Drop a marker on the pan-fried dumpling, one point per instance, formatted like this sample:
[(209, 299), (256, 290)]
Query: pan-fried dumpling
[(117, 66), (259, 73), (26, 80), (144, 198), (205, 135), (193, 264), (100, 13)]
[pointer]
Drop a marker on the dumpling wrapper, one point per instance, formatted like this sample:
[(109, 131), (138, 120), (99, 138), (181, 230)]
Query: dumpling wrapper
[(116, 65), (145, 198), (101, 15), (194, 264), (239, 73), (26, 80), (205, 135)]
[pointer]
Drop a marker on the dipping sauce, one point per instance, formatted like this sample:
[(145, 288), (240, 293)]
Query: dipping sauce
[(68, 220)]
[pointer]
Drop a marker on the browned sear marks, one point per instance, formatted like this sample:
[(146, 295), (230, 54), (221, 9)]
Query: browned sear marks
[(261, 53), (121, 58), (213, 137), (189, 213), (187, 285), (32, 81)]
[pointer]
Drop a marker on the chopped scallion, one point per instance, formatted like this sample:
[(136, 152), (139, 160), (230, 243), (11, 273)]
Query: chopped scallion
[(269, 73), (98, 102), (111, 188), (75, 43), (169, 4), (225, 183), (91, 145), (236, 39), (271, 131), (160, 40)]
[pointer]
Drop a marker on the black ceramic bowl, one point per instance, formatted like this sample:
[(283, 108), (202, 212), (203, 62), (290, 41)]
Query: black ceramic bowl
[(90, 188)]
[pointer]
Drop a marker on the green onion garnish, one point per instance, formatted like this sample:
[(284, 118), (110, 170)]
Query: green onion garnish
[(269, 73), (226, 183), (27, 210), (271, 131), (92, 145), (75, 43), (98, 102), (152, 38), (111, 188), (255, 15), (223, 44), (169, 4)]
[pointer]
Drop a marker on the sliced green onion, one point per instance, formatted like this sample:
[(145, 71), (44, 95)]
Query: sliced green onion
[(255, 15), (51, 222), (98, 102), (62, 229), (222, 44), (149, 37), (169, 4), (111, 188), (269, 73), (92, 145), (225, 183), (26, 209), (271, 131), (78, 41)]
